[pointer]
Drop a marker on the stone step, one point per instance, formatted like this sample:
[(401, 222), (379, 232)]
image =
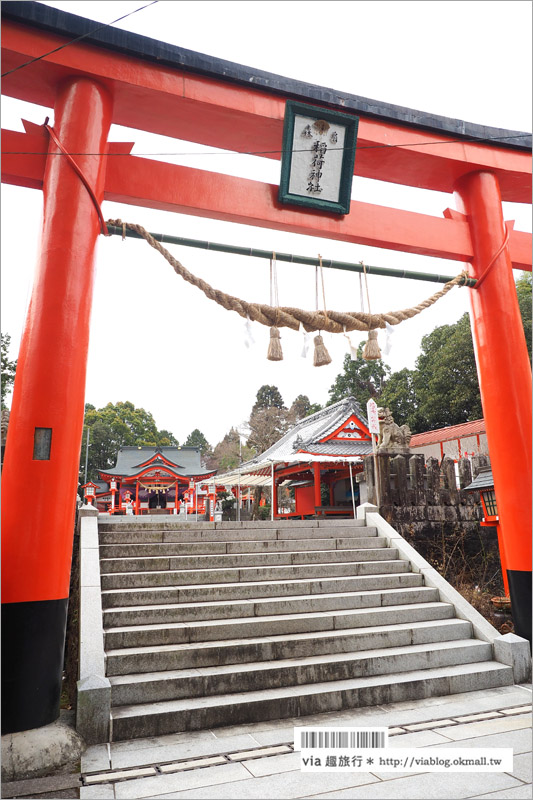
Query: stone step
[(251, 590), (210, 681), (243, 546), (131, 536), (230, 609), (170, 522), (159, 658), (131, 580), (156, 719), (271, 625), (159, 563)]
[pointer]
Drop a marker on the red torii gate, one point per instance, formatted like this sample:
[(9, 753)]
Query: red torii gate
[(130, 80)]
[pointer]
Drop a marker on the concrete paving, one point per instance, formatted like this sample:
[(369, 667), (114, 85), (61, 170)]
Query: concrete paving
[(258, 760)]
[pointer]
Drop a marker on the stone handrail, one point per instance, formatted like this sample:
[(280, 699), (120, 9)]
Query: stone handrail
[(94, 689), (508, 649)]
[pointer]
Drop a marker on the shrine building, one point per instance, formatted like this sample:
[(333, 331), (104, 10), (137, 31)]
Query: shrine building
[(456, 441), (148, 480), (324, 449)]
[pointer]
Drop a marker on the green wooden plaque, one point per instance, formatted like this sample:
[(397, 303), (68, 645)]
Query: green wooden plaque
[(318, 158)]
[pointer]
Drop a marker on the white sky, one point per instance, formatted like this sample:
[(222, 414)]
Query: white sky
[(159, 342)]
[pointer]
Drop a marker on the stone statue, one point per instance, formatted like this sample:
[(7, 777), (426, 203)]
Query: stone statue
[(392, 438)]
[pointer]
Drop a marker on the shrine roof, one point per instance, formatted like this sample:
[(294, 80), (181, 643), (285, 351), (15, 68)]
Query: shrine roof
[(311, 430), (448, 433), (183, 461), (147, 49), (483, 480), (345, 448)]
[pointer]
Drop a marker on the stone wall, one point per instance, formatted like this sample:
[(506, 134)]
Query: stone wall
[(410, 490), (422, 501)]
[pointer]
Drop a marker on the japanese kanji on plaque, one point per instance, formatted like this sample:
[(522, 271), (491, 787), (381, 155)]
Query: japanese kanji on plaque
[(318, 158)]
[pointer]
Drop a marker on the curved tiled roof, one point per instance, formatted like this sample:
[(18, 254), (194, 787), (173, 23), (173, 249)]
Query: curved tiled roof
[(131, 460), (449, 432), (311, 431)]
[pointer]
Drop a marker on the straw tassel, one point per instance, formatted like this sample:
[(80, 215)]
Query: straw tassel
[(371, 349), (275, 353), (321, 355)]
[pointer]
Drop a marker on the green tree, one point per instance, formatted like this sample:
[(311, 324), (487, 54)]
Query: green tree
[(523, 290), (445, 380), (302, 407), (115, 426), (167, 439), (443, 389), (268, 396), (8, 367), (400, 395), (360, 379), (197, 439)]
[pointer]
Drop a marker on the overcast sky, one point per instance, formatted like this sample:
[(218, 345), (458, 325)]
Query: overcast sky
[(158, 341)]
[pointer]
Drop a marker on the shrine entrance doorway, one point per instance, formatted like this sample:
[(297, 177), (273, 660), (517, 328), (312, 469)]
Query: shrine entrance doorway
[(158, 499)]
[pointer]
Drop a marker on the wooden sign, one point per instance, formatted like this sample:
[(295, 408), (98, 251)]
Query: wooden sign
[(372, 414), (318, 158)]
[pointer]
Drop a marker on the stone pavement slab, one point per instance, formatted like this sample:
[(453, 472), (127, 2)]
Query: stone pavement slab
[(96, 757), (518, 793), (519, 741), (287, 786), (289, 762), (199, 765), (206, 778), (98, 792), (486, 727), (183, 749), (426, 786), (522, 767)]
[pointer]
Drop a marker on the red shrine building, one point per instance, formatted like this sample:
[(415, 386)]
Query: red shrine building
[(147, 480), (325, 449)]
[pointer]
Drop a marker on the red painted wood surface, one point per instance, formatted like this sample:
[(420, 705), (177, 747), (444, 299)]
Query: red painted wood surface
[(316, 476), (503, 366), (304, 499), (220, 114), (168, 187), (49, 388)]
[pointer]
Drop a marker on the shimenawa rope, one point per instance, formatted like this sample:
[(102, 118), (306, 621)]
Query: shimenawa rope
[(288, 317)]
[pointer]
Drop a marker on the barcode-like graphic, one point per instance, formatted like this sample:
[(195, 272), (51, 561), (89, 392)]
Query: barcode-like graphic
[(344, 739)]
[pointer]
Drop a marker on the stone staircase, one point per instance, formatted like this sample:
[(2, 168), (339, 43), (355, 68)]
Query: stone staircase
[(217, 624)]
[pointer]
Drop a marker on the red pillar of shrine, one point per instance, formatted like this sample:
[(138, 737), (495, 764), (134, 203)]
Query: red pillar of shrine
[(505, 382), (43, 444), (316, 475)]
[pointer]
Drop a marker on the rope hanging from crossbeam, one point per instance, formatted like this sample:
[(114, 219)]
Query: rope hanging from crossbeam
[(287, 317)]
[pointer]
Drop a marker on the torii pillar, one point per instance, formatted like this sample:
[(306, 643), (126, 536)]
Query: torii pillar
[(45, 429), (505, 382)]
